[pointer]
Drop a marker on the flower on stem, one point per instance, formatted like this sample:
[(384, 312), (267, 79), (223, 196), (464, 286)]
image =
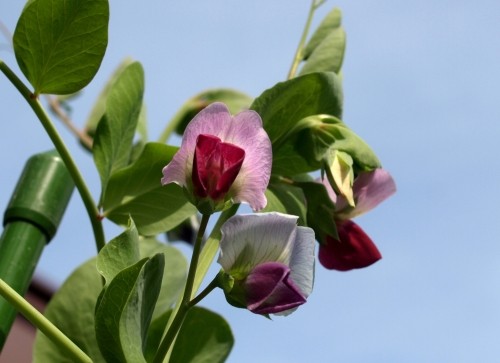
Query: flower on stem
[(223, 159), (354, 248), (267, 262)]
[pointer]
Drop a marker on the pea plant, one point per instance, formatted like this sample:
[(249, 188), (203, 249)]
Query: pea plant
[(287, 154)]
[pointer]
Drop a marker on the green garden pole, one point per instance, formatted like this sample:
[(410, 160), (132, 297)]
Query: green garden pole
[(30, 221)]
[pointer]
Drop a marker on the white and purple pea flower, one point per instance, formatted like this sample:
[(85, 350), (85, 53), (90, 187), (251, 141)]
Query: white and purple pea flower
[(267, 262), (223, 159)]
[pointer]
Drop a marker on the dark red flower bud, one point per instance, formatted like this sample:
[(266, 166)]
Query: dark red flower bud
[(216, 165), (354, 249)]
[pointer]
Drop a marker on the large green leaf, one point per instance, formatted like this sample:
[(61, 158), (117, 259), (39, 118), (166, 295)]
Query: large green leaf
[(205, 337), (284, 105), (136, 191), (115, 132), (126, 308), (59, 45), (71, 309)]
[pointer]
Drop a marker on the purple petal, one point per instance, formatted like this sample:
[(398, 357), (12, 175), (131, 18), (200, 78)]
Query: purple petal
[(354, 250), (371, 189), (270, 289)]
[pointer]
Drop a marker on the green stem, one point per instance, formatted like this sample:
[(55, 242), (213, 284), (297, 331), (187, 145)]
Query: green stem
[(37, 107), (300, 48), (212, 245), (207, 290), (184, 305), (42, 323)]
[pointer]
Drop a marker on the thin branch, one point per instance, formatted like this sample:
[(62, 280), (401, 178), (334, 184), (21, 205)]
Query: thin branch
[(55, 107)]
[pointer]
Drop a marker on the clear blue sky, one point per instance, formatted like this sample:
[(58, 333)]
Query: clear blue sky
[(421, 85)]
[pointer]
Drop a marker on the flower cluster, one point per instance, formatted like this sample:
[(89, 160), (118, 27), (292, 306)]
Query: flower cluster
[(267, 260)]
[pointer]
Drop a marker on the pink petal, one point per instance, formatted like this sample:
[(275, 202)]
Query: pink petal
[(212, 120), (251, 183), (270, 289), (370, 189), (354, 250), (243, 130)]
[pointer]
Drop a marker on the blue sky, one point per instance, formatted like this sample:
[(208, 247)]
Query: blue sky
[(421, 87)]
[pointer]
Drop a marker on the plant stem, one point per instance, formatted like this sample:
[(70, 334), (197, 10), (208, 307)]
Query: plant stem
[(184, 305), (212, 245), (37, 107), (207, 290), (55, 107), (300, 48), (42, 323)]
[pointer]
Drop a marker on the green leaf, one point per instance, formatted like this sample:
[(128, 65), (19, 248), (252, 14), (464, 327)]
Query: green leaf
[(329, 54), (331, 22), (174, 276), (125, 310), (59, 45), (155, 334), (284, 105), (205, 337), (326, 133), (71, 309), (99, 107), (136, 191), (287, 199), (235, 100), (320, 209), (115, 132), (119, 253)]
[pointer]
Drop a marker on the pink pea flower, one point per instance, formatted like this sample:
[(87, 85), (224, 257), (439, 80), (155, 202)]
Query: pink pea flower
[(268, 261), (354, 248), (222, 159)]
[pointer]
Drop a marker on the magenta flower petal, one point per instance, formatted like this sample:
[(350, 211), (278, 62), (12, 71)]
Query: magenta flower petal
[(215, 167), (243, 131), (354, 250), (270, 289)]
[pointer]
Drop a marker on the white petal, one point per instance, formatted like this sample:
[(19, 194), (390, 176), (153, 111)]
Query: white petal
[(248, 240), (302, 262)]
